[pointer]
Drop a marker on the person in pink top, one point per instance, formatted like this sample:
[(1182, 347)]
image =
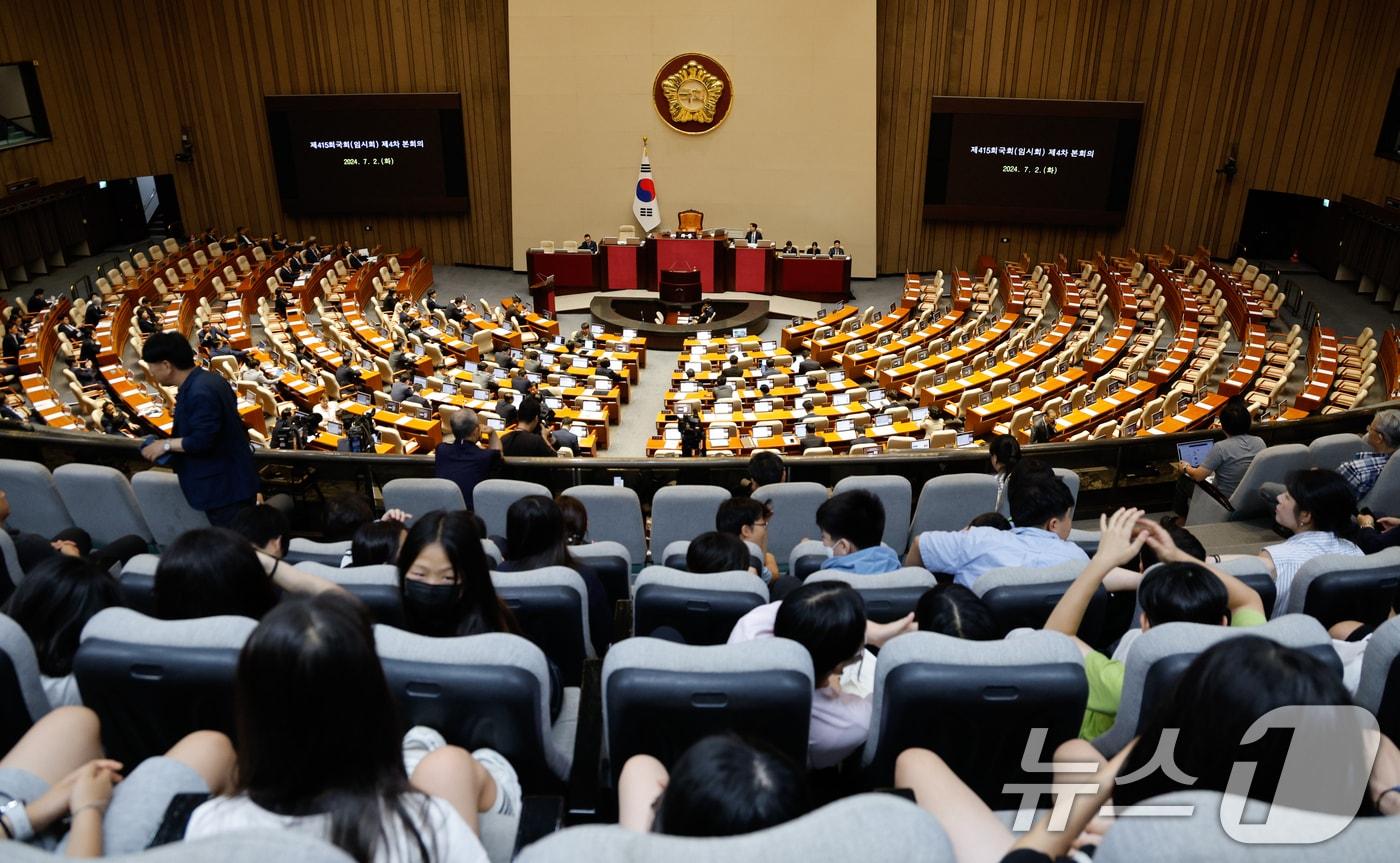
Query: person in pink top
[(828, 619)]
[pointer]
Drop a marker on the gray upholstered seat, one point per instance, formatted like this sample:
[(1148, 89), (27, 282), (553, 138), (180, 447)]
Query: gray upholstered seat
[(682, 512), (22, 698), (551, 604), (138, 583), (330, 553), (611, 562), (1085, 539), (1272, 464), (1024, 596), (897, 495), (484, 690), (417, 496), (164, 506), (154, 681), (949, 502), (492, 497), (1337, 587), (1067, 476), (807, 557), (377, 586), (703, 607), (794, 513), (1384, 496), (265, 846), (975, 703), (1379, 688), (614, 514), (651, 689), (887, 595), (101, 502), (1200, 836), (1331, 450), (1163, 652), (35, 504), (864, 827)]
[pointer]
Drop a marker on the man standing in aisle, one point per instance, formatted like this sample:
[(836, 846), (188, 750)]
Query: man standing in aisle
[(210, 446)]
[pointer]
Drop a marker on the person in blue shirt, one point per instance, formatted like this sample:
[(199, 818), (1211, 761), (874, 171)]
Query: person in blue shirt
[(852, 525), (1041, 510), (210, 442)]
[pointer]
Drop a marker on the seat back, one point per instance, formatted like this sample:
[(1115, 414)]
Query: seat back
[(478, 690), (101, 501), (611, 562), (164, 506), (794, 513), (683, 512), (703, 607), (615, 514), (492, 497), (1162, 654), (1329, 451), (1337, 587), (660, 697), (154, 681), (977, 704), (36, 504), (1024, 596), (947, 502), (1272, 464), (551, 605), (330, 553), (1379, 688), (897, 496), (418, 496), (872, 826), (22, 697), (138, 583), (377, 586), (1383, 495), (888, 595)]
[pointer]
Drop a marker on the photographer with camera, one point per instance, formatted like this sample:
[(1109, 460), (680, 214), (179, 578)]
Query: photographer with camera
[(692, 435), (359, 434), (528, 437)]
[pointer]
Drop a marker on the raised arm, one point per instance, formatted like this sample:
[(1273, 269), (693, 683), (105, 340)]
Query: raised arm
[(1241, 595), (294, 580), (1117, 545)]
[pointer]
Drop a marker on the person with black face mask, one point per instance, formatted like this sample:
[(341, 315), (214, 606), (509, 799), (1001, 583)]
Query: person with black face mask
[(445, 583)]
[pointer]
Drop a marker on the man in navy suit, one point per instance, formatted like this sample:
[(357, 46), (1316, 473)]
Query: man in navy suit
[(210, 443)]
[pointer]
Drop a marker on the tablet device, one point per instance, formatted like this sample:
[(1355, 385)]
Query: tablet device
[(1194, 452), (965, 439)]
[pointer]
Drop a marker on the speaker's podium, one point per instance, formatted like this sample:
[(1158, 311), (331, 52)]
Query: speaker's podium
[(680, 288)]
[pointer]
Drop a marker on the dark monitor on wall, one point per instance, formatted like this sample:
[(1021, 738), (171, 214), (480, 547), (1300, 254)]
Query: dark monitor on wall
[(1045, 161), (369, 153)]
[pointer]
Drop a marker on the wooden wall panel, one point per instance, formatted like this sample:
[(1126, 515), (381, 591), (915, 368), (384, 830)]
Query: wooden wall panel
[(1299, 85), (121, 80)]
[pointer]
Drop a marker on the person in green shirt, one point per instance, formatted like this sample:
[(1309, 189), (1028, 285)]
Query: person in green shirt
[(1181, 589)]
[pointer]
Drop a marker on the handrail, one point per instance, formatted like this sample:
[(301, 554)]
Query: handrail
[(1114, 471)]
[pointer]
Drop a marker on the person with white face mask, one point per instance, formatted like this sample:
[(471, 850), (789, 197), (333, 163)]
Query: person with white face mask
[(852, 525)]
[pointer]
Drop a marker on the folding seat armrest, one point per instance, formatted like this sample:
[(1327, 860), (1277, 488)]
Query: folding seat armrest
[(585, 790)]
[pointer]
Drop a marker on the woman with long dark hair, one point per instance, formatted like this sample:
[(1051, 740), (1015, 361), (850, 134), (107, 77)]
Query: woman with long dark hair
[(52, 604), (445, 578), (1005, 453), (213, 570), (319, 749), (535, 538)]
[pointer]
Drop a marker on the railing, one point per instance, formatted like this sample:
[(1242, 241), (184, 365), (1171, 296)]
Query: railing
[(1113, 472)]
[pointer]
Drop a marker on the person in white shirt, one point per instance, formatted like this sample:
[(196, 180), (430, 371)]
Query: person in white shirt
[(828, 619), (319, 750), (1318, 506), (1041, 510)]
